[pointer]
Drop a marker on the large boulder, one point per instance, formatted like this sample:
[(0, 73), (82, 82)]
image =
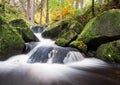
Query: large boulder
[(57, 30), (66, 38), (110, 51), (22, 27), (101, 29), (11, 43)]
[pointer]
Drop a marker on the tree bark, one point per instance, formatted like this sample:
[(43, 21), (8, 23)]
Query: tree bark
[(41, 11), (47, 11), (30, 10)]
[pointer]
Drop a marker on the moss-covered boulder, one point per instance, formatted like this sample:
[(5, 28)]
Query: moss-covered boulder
[(79, 45), (22, 27), (110, 51), (11, 43), (101, 29), (66, 38), (57, 30)]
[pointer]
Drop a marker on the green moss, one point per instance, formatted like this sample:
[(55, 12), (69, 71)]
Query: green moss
[(11, 42), (21, 26), (87, 34), (61, 42), (79, 45), (67, 37), (106, 24), (58, 29), (110, 51)]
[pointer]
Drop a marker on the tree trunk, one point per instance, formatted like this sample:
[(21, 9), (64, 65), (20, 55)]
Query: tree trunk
[(30, 10), (47, 11), (41, 11)]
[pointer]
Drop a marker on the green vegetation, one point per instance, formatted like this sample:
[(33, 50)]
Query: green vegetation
[(110, 51), (106, 24), (22, 27), (11, 42), (79, 45), (14, 32)]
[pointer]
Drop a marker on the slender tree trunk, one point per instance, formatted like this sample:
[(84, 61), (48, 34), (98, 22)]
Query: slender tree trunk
[(41, 11), (28, 10), (47, 11), (32, 11), (93, 11)]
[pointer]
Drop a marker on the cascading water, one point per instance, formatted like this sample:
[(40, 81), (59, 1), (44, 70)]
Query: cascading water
[(88, 71)]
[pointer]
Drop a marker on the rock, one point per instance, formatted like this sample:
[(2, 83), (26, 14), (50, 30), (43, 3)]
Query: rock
[(23, 29), (79, 45), (101, 29), (110, 51), (56, 30), (11, 43), (66, 38)]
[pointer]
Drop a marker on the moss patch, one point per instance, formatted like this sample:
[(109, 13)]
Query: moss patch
[(11, 42), (105, 25), (110, 51), (22, 27), (58, 29), (79, 45), (66, 37)]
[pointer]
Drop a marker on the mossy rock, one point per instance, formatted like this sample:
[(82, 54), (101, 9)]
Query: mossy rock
[(79, 45), (110, 51), (66, 38), (101, 29), (61, 42), (11, 43), (58, 29), (22, 27)]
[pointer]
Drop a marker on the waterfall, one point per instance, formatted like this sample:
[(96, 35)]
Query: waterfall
[(36, 68), (45, 51)]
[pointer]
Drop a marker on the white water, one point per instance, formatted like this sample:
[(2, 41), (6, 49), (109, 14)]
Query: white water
[(72, 56), (23, 58), (89, 71)]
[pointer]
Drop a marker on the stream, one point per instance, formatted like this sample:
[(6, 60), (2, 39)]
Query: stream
[(49, 64)]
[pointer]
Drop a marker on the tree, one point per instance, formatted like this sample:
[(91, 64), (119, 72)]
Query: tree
[(41, 10), (47, 11), (30, 10)]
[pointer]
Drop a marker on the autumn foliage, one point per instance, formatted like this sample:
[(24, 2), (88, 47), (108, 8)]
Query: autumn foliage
[(67, 10)]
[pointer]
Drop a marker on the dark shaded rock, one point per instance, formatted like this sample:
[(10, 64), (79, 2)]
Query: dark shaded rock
[(79, 45), (11, 43), (101, 29), (110, 51), (23, 29), (55, 54), (66, 38), (56, 30)]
